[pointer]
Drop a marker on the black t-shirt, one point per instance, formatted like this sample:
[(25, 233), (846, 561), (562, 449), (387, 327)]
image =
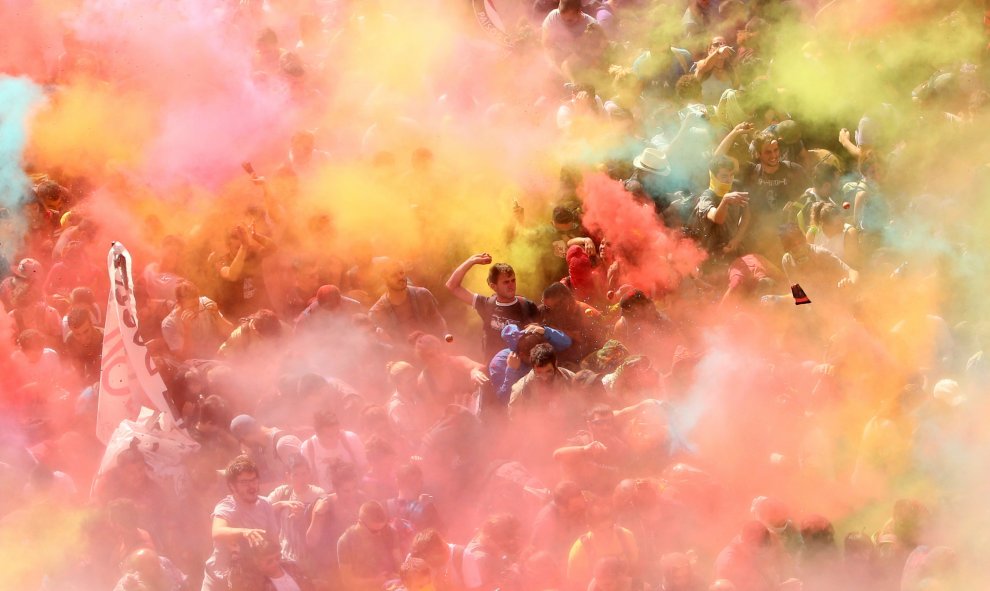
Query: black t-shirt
[(495, 316), (768, 192)]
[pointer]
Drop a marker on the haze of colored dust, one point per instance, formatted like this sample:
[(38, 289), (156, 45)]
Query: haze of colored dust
[(159, 131)]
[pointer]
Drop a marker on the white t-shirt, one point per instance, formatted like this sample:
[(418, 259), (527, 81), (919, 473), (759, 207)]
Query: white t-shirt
[(563, 39), (321, 458)]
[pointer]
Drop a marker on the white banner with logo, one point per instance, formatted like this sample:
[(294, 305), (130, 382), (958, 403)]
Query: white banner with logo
[(129, 378)]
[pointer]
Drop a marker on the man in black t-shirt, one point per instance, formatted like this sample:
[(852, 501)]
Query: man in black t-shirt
[(496, 311), (772, 185)]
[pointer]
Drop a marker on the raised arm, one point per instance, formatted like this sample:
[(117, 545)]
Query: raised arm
[(454, 283)]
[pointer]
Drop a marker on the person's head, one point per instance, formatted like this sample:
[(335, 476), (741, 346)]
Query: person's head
[(612, 574), (266, 324), (31, 343), (82, 296), (416, 575), (214, 414), (828, 217), (28, 271), (328, 297), (636, 305), (345, 480), (409, 479), (767, 149), (502, 532), (297, 471), (524, 347), (243, 480), (393, 274), (717, 43), (565, 219), (326, 425), (723, 169), (502, 280), (266, 557), (677, 572), (147, 565), (187, 295), (793, 240), (131, 466), (81, 323), (52, 195), (570, 11), (771, 512), (402, 376), (818, 533), (569, 499), (857, 547), (601, 420), (557, 299), (824, 179), (871, 166), (267, 41), (543, 360), (247, 429), (431, 547), (372, 516), (428, 348), (380, 453)]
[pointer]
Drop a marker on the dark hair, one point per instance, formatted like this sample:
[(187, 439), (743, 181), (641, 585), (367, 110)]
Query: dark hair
[(237, 466), (564, 215), (325, 418), (822, 212), (77, 317), (824, 173), (557, 290), (30, 338), (186, 289), (527, 342), (266, 323), (497, 270), (82, 295), (426, 541), (377, 448), (214, 410), (543, 354), (721, 162), (341, 472), (569, 5)]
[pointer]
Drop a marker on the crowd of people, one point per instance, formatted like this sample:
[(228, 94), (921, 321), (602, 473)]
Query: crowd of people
[(748, 357)]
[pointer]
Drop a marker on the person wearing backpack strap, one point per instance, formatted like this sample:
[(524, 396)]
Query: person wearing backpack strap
[(330, 445), (501, 309)]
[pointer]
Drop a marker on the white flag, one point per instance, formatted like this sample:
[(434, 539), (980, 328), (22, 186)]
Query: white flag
[(129, 378)]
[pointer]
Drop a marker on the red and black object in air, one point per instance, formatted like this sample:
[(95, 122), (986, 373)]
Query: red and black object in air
[(799, 296)]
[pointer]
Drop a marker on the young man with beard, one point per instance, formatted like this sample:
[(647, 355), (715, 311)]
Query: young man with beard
[(243, 515)]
